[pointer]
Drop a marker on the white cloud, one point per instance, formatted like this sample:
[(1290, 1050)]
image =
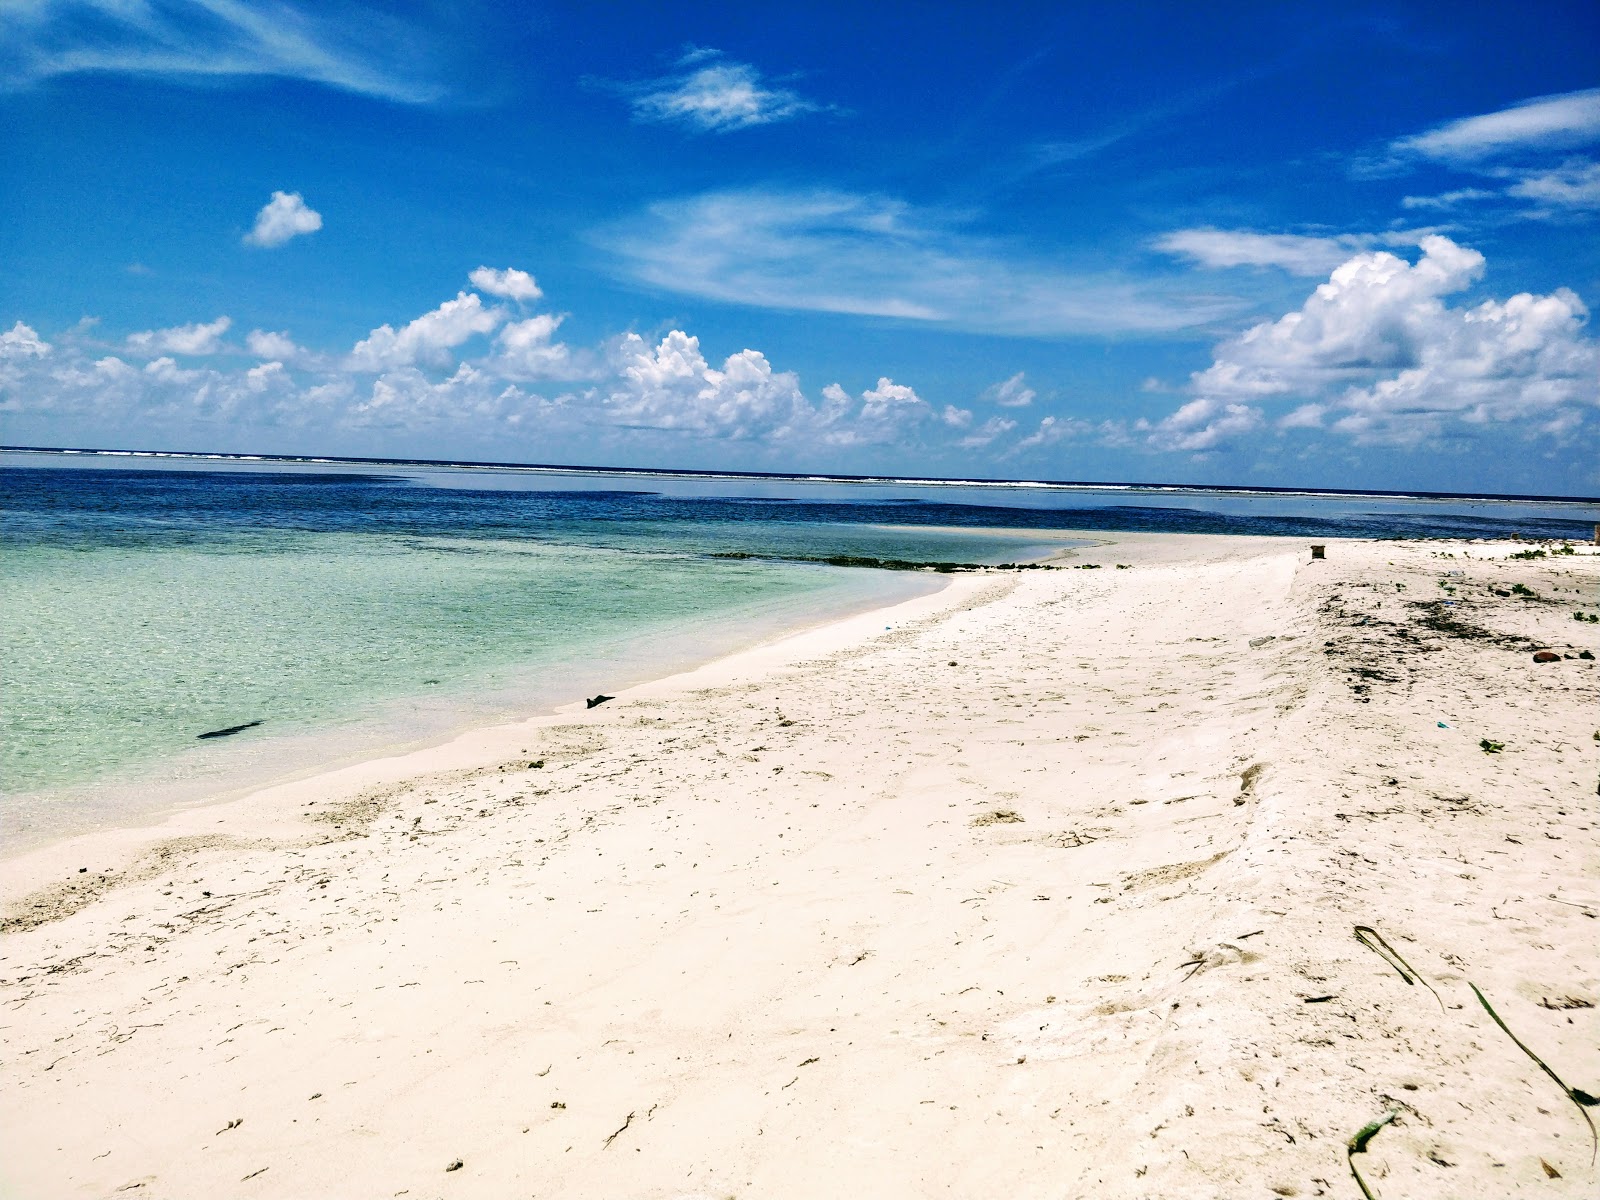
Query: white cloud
[(181, 339), (528, 350), (1295, 253), (718, 98), (1010, 393), (871, 256), (1053, 430), (22, 341), (1448, 200), (1375, 312), (994, 427), (1307, 416), (368, 52), (510, 284), (265, 344), (1377, 354), (283, 217), (1570, 119), (429, 338), (671, 386), (1202, 425), (1574, 184)]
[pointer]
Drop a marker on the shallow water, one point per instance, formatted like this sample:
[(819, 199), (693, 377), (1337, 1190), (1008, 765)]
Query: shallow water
[(349, 609)]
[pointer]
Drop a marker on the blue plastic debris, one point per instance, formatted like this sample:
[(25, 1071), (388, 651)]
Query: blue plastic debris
[(1442, 725)]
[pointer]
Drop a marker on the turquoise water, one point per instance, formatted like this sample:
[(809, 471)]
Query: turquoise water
[(140, 612), (118, 656), (349, 609)]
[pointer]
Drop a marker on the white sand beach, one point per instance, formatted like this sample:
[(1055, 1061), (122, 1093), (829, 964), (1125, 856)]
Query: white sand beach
[(1046, 885)]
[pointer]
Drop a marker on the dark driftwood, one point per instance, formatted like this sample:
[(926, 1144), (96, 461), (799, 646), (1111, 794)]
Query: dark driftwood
[(229, 731)]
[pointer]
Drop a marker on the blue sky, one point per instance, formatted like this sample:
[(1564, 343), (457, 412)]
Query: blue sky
[(1240, 243)]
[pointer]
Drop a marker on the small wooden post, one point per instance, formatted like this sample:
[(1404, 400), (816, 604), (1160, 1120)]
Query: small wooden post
[(1317, 551), (1597, 535)]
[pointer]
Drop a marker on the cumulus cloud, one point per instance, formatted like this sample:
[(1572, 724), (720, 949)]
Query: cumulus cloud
[(22, 341), (672, 386), (875, 256), (1546, 122), (181, 339), (510, 284), (1010, 393), (1377, 354), (283, 217), (429, 338), (528, 350), (1202, 425), (265, 344), (716, 96)]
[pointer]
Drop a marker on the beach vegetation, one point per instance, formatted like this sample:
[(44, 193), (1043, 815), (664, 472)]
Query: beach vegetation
[(1489, 747)]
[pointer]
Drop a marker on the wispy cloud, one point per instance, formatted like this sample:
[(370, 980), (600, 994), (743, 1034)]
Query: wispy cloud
[(1445, 201), (1543, 123), (1575, 184), (874, 256), (1298, 254), (362, 51), (716, 95)]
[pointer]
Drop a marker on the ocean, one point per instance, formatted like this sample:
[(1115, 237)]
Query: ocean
[(354, 607)]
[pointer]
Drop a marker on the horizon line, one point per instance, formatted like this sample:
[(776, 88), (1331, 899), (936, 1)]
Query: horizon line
[(797, 476)]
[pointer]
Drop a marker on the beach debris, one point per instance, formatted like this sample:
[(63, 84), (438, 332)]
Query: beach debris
[(999, 816), (1582, 1100), (1319, 551), (597, 701), (1544, 656), (558, 1104), (617, 1132), (228, 732), (1247, 781), (253, 1174), (1550, 1172), (1358, 1145), (536, 765), (1565, 1002), (1374, 941), (1489, 747), (1442, 725), (455, 1165), (233, 1124)]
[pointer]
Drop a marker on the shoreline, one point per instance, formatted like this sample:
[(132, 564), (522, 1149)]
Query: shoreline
[(144, 794), (256, 809), (1050, 888)]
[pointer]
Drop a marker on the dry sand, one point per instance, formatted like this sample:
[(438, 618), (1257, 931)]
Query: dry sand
[(1048, 890)]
